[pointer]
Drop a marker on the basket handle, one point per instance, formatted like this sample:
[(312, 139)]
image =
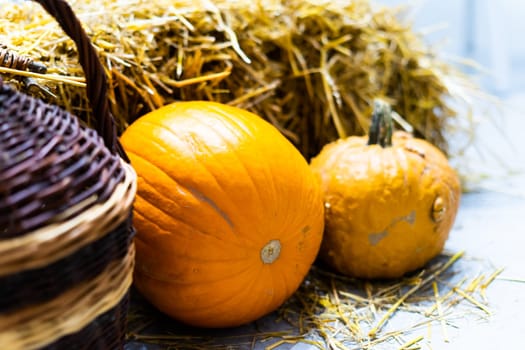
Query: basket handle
[(96, 78)]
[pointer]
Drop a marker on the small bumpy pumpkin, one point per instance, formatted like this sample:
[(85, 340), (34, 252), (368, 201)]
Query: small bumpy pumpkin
[(229, 216), (390, 203)]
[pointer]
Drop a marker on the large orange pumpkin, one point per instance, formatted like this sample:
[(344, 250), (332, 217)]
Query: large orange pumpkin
[(229, 216), (391, 201)]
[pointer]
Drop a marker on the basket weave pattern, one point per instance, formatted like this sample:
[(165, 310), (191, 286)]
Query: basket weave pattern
[(71, 312), (69, 252), (66, 196), (74, 168)]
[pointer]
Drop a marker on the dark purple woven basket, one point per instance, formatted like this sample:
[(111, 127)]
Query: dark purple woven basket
[(66, 194), (50, 162)]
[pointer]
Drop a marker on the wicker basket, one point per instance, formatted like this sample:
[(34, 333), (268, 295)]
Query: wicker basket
[(66, 195)]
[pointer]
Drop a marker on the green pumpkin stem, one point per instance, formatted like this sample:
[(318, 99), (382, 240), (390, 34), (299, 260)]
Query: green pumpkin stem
[(381, 129)]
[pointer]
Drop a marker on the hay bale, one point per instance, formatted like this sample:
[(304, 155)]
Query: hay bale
[(311, 67)]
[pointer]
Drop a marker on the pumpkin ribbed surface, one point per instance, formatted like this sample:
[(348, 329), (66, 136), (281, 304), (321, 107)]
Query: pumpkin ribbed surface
[(388, 210), (229, 216)]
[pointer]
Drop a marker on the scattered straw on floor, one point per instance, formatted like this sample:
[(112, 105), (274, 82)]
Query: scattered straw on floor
[(333, 312), (310, 67)]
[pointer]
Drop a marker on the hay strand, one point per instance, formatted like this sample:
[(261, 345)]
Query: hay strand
[(440, 311), (422, 283), (409, 343), (75, 81)]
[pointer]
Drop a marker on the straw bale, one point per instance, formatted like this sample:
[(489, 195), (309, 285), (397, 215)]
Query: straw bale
[(312, 68)]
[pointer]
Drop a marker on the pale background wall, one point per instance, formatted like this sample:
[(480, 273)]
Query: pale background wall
[(487, 31)]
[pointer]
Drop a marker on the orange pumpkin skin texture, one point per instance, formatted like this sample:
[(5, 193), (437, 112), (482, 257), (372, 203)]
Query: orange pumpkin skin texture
[(389, 210), (229, 216)]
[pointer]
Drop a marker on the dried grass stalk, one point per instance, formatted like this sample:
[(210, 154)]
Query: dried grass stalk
[(310, 67)]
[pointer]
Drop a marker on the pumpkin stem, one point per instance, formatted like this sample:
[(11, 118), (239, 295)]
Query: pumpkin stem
[(380, 132)]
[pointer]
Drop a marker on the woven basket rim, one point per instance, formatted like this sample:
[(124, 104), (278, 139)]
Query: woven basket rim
[(55, 241), (36, 326)]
